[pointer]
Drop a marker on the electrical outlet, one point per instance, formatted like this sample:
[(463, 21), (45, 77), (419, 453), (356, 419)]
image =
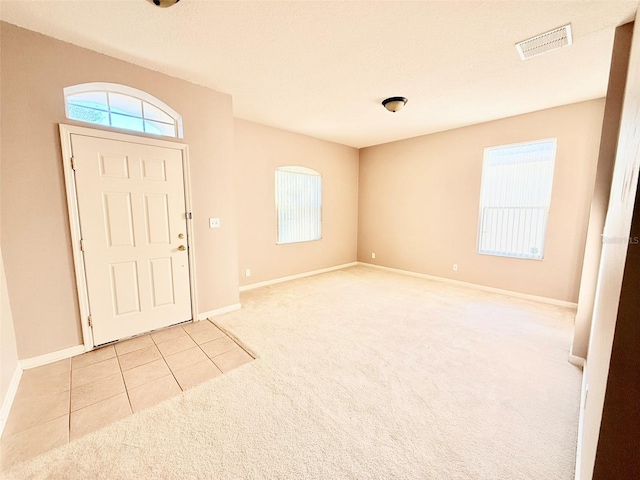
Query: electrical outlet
[(214, 223), (247, 272), (373, 255), (455, 267)]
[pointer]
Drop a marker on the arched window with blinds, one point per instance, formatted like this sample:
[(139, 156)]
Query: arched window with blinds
[(298, 204)]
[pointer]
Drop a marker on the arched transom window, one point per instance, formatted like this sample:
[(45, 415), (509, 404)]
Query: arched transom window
[(298, 204), (119, 106)]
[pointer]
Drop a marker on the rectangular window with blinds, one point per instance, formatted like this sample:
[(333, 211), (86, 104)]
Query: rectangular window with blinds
[(514, 199), (298, 204)]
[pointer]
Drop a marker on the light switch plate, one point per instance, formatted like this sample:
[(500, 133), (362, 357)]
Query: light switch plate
[(214, 223)]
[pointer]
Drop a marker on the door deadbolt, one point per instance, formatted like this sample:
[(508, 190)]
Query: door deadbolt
[(181, 235)]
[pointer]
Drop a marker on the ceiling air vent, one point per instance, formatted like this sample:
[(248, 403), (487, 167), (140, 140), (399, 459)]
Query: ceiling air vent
[(546, 42)]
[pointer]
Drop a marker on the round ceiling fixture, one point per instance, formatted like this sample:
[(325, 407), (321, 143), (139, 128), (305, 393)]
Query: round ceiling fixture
[(393, 104), (163, 3)]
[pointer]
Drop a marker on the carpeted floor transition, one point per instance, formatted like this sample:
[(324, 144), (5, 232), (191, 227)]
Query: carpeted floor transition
[(361, 374)]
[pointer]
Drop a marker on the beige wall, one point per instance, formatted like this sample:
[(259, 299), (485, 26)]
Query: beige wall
[(419, 202), (602, 188), (621, 383), (259, 150), (35, 230)]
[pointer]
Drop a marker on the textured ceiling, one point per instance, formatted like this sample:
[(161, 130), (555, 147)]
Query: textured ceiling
[(322, 68)]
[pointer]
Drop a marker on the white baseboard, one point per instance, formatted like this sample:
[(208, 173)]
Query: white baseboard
[(577, 361), (219, 311), (244, 288), (550, 301), (28, 363), (10, 397)]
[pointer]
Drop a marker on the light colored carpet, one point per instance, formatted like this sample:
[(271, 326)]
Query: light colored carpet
[(361, 374)]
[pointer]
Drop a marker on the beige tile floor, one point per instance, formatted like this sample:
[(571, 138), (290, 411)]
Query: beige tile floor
[(65, 400)]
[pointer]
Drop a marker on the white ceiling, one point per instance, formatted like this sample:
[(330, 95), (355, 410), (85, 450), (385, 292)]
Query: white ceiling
[(322, 68)]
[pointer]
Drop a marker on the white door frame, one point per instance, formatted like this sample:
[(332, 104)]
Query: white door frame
[(74, 218)]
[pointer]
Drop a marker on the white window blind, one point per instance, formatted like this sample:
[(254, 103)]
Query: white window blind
[(298, 204), (515, 198)]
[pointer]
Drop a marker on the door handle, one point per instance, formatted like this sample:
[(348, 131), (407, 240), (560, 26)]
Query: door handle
[(182, 248)]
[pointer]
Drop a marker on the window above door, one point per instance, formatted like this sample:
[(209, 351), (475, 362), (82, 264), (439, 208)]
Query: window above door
[(123, 107)]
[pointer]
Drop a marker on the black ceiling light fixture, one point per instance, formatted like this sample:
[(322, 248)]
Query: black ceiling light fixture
[(163, 3), (393, 104)]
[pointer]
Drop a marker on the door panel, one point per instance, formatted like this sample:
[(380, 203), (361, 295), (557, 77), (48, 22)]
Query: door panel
[(162, 281), (118, 219), (132, 211), (114, 166), (157, 218), (154, 169), (125, 288)]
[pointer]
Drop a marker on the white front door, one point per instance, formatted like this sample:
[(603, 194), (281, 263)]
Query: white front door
[(131, 207)]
